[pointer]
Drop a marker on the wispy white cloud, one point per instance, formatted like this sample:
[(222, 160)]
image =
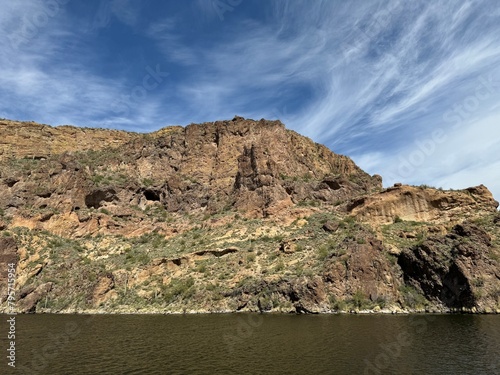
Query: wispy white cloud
[(370, 79), (49, 75), (127, 11), (376, 81)]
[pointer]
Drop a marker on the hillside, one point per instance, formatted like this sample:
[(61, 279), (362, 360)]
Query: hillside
[(236, 215)]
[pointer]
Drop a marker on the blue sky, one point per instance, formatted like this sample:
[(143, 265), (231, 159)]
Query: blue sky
[(409, 90)]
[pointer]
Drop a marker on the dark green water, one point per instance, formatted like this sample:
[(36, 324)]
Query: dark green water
[(255, 344)]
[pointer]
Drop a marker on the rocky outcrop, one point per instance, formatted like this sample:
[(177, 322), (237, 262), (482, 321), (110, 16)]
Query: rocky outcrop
[(361, 266), (237, 215), (30, 296), (8, 254), (256, 167), (356, 268), (412, 203), (300, 295), (31, 140), (455, 270), (103, 290)]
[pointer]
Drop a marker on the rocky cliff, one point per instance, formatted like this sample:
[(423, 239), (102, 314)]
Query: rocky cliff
[(237, 215), (424, 204), (29, 139)]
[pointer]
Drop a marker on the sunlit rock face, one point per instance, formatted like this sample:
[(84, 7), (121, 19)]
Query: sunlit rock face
[(237, 215)]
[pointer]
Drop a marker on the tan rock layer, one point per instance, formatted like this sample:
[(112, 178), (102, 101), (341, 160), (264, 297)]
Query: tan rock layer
[(29, 139), (412, 203)]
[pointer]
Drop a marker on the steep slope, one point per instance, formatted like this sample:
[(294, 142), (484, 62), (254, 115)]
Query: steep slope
[(446, 268), (256, 167), (229, 216)]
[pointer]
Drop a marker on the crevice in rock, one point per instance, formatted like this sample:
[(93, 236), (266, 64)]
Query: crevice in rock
[(96, 198), (152, 195)]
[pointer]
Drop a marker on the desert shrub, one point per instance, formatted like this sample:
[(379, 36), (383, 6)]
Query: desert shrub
[(420, 237), (202, 268), (359, 300), (147, 182), (411, 297), (183, 288), (137, 257), (322, 252), (337, 304), (348, 221), (280, 266)]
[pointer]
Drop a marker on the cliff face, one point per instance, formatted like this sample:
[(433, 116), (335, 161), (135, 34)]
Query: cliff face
[(29, 139), (423, 204), (257, 168), (230, 215), (445, 268)]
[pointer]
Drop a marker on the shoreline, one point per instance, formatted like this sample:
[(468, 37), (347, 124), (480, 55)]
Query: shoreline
[(227, 312)]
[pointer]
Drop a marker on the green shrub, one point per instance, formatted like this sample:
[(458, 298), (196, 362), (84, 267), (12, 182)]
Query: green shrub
[(137, 257), (280, 266), (382, 301), (201, 268), (348, 221), (322, 252), (147, 182), (183, 288), (308, 203), (412, 298), (420, 237), (337, 304), (359, 300)]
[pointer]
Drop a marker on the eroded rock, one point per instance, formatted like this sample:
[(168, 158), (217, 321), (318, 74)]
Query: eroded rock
[(451, 269), (411, 203)]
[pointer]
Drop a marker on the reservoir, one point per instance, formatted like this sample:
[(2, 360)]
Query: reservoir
[(256, 344)]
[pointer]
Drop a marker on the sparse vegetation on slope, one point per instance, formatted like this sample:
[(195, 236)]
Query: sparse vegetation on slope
[(212, 218)]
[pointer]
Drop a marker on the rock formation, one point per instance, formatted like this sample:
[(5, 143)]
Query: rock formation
[(423, 204), (236, 215), (446, 268)]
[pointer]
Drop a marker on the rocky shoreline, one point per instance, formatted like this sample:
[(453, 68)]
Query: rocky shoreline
[(206, 312), (376, 311)]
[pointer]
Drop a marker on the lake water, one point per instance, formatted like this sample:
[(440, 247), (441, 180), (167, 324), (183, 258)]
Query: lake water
[(255, 344)]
